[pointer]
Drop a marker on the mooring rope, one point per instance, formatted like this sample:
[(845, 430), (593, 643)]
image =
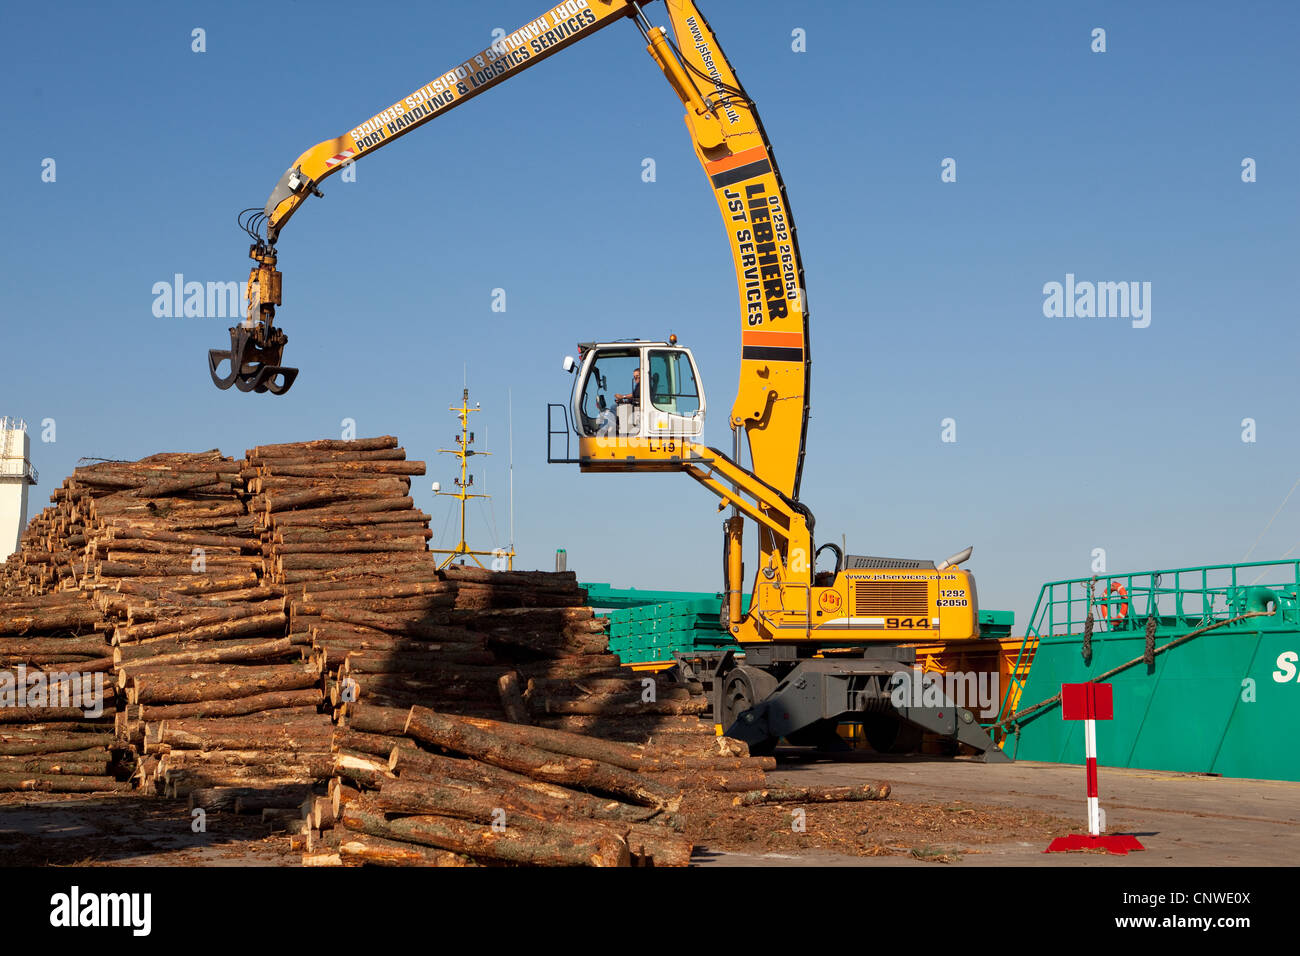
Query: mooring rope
[(1014, 719)]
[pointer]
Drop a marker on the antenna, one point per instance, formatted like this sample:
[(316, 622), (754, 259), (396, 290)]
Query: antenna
[(510, 452), (463, 452)]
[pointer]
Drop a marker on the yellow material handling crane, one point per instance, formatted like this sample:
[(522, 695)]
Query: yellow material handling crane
[(817, 648)]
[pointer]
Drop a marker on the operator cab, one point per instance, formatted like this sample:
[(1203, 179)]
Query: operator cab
[(636, 390)]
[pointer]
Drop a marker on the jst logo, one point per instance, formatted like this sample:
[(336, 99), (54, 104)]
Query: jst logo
[(830, 601)]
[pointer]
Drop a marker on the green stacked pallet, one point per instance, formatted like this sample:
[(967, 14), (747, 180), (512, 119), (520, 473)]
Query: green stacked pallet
[(651, 626)]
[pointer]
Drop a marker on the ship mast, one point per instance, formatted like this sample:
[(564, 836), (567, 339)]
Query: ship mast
[(464, 452)]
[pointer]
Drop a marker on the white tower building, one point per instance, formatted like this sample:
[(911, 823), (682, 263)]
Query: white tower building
[(16, 474)]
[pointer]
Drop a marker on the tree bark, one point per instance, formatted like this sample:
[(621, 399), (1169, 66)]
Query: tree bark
[(364, 848), (347, 469), (60, 783), (428, 624), (54, 743), (35, 649), (376, 532), (460, 736), (546, 845), (353, 546), (389, 721), (253, 704), (172, 643), (219, 652), (416, 660), (199, 685), (340, 510), (275, 460), (289, 449), (324, 594), (421, 768), (42, 765), (81, 616), (248, 799), (879, 791), (134, 532), (198, 618), (615, 705), (379, 745)]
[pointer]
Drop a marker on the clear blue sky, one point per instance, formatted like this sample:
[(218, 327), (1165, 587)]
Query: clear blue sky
[(926, 297)]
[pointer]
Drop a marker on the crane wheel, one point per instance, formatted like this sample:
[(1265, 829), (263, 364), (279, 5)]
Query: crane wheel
[(742, 688)]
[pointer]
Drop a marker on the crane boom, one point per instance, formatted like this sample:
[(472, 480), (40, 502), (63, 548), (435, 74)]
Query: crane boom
[(771, 404), (558, 28), (786, 687)]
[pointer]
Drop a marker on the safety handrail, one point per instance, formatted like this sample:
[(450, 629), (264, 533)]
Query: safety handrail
[(552, 431), (1184, 598)]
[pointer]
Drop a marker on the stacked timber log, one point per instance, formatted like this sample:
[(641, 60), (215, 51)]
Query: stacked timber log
[(47, 550), (259, 615), (163, 517), (52, 546), (57, 711), (198, 673), (420, 787), (173, 564), (539, 625), (247, 732), (219, 705), (516, 645), (335, 508), (164, 520), (461, 791)]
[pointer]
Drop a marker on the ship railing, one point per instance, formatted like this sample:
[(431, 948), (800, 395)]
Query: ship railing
[(1181, 599), (17, 468)]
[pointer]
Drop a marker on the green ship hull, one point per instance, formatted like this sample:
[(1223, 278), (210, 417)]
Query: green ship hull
[(1213, 689)]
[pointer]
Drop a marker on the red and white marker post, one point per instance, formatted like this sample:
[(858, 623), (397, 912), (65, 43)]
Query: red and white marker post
[(1090, 703)]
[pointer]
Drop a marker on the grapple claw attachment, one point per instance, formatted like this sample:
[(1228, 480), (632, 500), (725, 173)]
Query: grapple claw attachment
[(215, 358), (254, 358)]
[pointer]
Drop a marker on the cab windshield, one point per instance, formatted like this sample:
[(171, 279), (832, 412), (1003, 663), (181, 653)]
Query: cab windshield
[(672, 383), (610, 377)]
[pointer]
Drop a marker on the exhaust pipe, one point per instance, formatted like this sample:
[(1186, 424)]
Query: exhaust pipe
[(956, 559)]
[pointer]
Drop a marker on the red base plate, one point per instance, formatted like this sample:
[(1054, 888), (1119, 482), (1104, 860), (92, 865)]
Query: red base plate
[(1119, 843)]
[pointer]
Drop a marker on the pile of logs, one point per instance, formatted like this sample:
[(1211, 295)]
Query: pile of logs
[(516, 645), (57, 710), (167, 519), (420, 787), (247, 614), (219, 704), (160, 518), (48, 550), (334, 508)]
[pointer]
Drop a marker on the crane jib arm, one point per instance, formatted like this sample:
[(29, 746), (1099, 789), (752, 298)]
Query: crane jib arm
[(560, 27), (772, 400)]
